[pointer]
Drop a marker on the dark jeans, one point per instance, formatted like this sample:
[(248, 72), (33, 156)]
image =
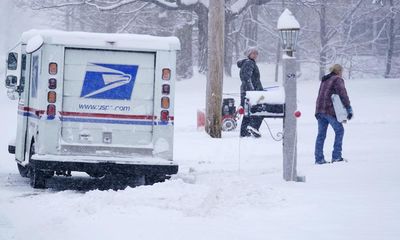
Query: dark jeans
[(253, 121), (323, 122)]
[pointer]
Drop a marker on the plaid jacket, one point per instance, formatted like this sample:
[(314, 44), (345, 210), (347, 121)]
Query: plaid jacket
[(331, 84)]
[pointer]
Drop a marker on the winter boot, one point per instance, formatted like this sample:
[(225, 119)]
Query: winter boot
[(321, 162), (254, 132), (338, 160)]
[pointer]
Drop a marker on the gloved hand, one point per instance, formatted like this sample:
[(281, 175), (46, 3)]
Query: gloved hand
[(349, 113)]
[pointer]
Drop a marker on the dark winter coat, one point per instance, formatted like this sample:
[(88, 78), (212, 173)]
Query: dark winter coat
[(249, 75), (331, 84)]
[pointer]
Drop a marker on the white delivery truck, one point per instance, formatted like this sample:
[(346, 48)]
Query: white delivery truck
[(93, 102)]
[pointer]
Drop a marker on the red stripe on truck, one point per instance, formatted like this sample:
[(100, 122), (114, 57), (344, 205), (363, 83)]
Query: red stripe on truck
[(31, 110), (105, 115), (99, 115)]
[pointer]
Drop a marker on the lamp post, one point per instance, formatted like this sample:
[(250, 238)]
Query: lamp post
[(289, 28)]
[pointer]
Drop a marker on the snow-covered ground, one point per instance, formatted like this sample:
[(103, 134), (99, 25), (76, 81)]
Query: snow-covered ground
[(230, 188)]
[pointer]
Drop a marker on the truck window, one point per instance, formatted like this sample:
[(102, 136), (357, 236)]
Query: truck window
[(23, 72), (12, 61), (35, 75)]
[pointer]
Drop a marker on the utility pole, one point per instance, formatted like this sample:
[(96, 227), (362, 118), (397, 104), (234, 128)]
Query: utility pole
[(216, 21)]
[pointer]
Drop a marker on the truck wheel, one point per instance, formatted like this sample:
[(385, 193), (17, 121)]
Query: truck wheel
[(138, 180), (114, 181), (37, 177), (23, 170)]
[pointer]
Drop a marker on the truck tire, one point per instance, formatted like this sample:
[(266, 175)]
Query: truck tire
[(23, 170), (37, 177)]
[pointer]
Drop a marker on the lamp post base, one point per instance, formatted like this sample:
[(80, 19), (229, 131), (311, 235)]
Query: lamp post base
[(301, 179)]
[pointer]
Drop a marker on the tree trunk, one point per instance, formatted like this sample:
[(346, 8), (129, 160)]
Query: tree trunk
[(391, 39), (324, 42), (236, 45), (278, 50), (185, 57), (278, 59), (202, 24), (251, 31), (375, 32), (109, 28), (6, 17), (80, 15), (68, 19), (228, 51), (215, 68)]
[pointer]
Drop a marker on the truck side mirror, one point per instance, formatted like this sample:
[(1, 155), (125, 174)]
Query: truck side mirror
[(11, 81), (12, 61)]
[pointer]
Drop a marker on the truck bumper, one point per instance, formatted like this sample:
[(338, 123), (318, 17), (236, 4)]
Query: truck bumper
[(113, 166)]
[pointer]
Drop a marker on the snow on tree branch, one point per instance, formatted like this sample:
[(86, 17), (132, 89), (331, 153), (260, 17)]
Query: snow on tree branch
[(240, 5), (39, 5)]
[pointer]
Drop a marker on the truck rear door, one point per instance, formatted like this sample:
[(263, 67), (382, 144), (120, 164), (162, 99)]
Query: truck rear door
[(108, 98)]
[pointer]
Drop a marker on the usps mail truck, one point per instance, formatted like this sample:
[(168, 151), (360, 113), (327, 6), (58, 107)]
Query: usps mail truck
[(93, 102)]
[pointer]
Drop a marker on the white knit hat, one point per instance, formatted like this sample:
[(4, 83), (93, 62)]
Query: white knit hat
[(250, 50)]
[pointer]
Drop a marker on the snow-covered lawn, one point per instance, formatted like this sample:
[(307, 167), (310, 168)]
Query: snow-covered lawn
[(230, 188)]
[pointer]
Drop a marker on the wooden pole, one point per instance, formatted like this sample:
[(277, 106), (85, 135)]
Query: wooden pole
[(216, 20)]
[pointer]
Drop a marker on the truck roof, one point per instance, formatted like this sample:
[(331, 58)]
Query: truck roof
[(89, 39)]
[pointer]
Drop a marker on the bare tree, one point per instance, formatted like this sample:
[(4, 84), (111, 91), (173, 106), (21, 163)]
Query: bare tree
[(391, 35), (199, 7), (336, 36), (332, 31)]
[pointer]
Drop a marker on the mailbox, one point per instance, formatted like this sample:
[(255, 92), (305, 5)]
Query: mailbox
[(269, 103)]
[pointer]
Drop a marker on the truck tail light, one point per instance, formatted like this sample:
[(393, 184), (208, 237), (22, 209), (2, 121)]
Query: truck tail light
[(53, 68), (52, 83), (165, 102), (166, 89), (164, 116), (51, 97), (51, 111), (166, 74)]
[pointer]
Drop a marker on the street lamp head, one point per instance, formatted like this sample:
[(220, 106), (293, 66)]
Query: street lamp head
[(288, 28)]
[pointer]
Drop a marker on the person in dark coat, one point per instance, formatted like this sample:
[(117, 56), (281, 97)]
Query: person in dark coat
[(250, 77), (332, 83)]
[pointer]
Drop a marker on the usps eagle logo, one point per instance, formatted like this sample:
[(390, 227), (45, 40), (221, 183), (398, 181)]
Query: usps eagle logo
[(109, 81)]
